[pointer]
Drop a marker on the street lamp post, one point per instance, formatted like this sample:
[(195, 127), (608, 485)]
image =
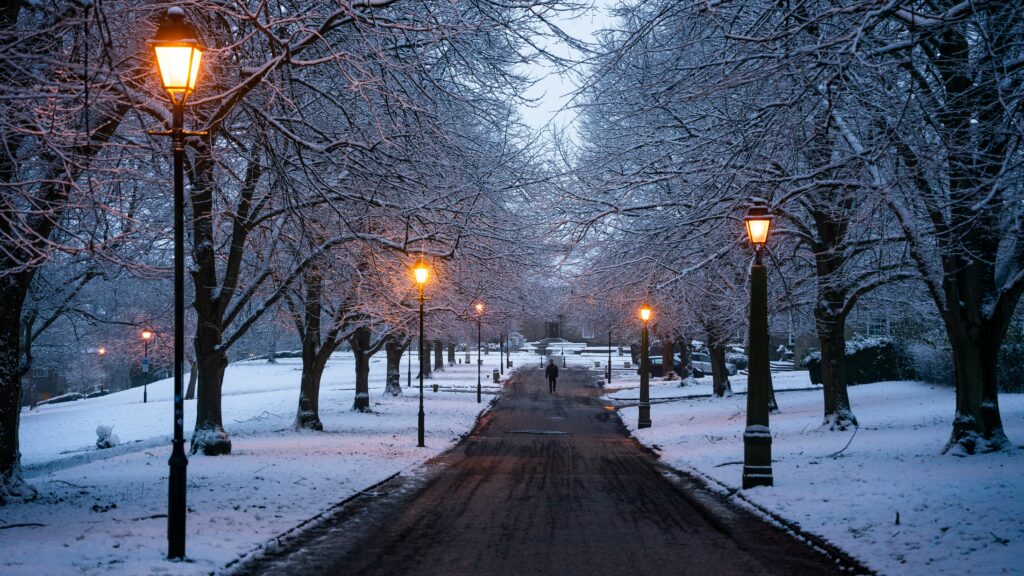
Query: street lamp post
[(178, 56), (757, 438), (501, 351), (645, 378), (146, 336), (609, 356), (422, 273), (479, 316)]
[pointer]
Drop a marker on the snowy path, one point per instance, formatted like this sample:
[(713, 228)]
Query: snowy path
[(546, 484)]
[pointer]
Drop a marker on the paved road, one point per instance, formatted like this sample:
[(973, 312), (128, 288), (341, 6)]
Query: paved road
[(546, 484)]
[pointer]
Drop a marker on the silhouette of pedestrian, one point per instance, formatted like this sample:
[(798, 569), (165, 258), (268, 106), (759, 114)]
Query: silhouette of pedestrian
[(552, 373)]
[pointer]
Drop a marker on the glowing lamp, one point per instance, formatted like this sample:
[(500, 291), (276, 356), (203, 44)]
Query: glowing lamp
[(758, 222), (421, 272), (645, 312), (102, 351), (178, 55), (479, 308), (146, 334)]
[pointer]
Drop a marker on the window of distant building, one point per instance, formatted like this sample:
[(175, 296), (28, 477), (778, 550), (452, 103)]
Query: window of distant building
[(587, 332), (878, 325)]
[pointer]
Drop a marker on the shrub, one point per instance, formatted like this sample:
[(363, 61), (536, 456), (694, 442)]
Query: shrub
[(867, 360)]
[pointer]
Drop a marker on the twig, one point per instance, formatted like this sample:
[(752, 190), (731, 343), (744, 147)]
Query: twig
[(25, 525), (733, 463), (852, 436), (71, 484)]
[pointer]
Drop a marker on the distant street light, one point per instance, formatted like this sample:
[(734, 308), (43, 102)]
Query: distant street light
[(102, 351), (757, 438), (479, 316), (644, 420), (178, 56), (422, 274), (146, 336)]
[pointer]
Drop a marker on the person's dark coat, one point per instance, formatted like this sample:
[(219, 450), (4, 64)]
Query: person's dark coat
[(551, 371)]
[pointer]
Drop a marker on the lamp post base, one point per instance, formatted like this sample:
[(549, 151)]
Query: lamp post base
[(757, 457), (645, 416), (419, 431), (176, 501)]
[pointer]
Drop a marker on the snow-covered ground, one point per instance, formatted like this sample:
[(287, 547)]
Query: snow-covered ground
[(102, 511), (957, 515)]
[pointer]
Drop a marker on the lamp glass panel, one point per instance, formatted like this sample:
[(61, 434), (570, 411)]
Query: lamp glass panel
[(422, 273), (178, 68), (645, 313), (757, 230), (193, 73)]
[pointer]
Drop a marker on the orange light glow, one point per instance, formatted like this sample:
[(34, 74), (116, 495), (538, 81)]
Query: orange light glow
[(421, 273), (479, 308), (645, 313), (102, 351), (146, 334), (758, 222)]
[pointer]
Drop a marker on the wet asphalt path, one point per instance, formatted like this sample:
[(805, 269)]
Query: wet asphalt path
[(546, 484)]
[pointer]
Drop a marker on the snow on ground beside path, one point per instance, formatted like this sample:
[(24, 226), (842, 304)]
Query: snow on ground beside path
[(102, 511), (958, 515)]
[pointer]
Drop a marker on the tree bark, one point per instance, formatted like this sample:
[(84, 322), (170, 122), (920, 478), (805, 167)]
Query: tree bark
[(394, 348), (12, 483), (193, 375), (438, 355), (720, 385), (451, 353), (209, 435), (307, 415), (831, 326), (667, 357), (360, 343), (425, 361), (683, 343)]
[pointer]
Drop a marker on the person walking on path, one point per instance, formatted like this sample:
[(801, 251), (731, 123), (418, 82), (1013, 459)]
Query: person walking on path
[(552, 373)]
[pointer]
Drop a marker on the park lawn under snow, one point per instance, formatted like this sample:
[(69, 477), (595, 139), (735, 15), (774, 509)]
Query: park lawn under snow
[(101, 511), (958, 515)]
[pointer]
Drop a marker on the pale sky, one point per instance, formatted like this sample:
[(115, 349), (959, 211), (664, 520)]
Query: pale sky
[(554, 90)]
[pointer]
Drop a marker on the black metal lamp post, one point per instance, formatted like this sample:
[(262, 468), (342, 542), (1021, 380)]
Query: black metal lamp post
[(178, 56), (422, 273), (147, 335), (501, 352), (479, 316), (645, 376), (609, 378), (757, 438)]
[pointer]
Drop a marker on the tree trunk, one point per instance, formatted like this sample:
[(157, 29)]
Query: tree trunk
[(209, 435), (425, 361), (683, 344), (438, 355), (307, 416), (12, 482), (831, 328), (668, 358), (193, 375), (394, 348), (977, 426), (719, 374), (360, 342), (451, 353)]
